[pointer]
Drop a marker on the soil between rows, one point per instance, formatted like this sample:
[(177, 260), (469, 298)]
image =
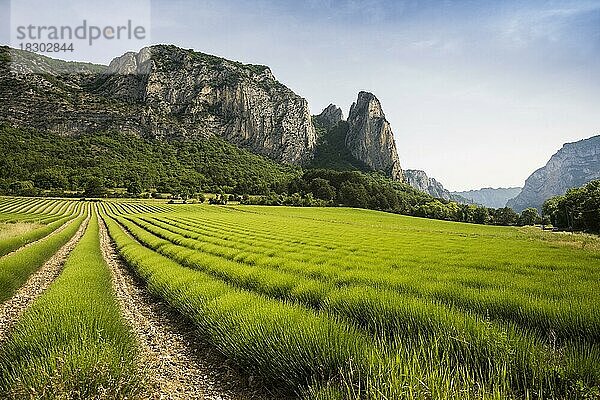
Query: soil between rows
[(12, 309), (178, 363)]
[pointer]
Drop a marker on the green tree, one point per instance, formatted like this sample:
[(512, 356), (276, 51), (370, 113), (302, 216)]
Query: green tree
[(435, 209), (321, 189), (221, 198), (134, 188), (590, 208), (578, 209), (506, 216), (50, 179), (94, 187), (553, 208), (309, 200), (353, 195), (22, 188), (530, 216), (481, 215)]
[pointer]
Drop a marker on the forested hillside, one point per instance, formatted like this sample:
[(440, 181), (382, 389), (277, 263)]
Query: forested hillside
[(34, 162)]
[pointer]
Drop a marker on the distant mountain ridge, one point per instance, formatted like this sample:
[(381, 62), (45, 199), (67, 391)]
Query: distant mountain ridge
[(490, 197), (574, 165), (419, 180)]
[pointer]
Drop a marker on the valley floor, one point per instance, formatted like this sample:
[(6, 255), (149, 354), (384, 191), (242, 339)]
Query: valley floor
[(141, 299)]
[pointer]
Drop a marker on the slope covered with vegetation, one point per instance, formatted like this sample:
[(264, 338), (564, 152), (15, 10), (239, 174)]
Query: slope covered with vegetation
[(49, 164), (34, 161), (331, 151)]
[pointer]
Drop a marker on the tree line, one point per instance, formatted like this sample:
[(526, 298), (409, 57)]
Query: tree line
[(325, 187), (121, 165), (577, 210)]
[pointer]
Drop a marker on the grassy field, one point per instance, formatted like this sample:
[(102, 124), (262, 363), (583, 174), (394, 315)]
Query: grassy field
[(334, 303), (16, 229), (71, 342)]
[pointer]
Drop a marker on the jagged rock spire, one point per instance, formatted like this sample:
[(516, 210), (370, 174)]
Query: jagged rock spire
[(370, 138), (331, 116)]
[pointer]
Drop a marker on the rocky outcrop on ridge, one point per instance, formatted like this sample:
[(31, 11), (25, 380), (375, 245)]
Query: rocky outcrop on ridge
[(572, 166), (370, 138)]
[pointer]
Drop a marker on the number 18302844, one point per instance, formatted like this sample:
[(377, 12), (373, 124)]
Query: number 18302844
[(46, 47)]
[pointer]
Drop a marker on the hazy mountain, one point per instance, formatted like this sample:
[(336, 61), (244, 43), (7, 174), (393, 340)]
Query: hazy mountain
[(572, 166), (490, 197), (419, 180)]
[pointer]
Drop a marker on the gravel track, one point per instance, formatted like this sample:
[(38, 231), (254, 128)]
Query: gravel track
[(178, 365), (38, 282)]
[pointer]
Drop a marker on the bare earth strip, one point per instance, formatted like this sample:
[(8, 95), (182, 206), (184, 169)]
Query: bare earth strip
[(177, 365), (11, 309)]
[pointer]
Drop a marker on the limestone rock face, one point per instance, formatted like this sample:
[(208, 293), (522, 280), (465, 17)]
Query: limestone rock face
[(572, 166), (169, 93), (208, 95), (370, 138), (49, 95), (133, 63), (331, 116), (420, 181)]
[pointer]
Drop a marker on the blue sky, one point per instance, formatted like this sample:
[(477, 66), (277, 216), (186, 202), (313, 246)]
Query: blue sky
[(478, 93)]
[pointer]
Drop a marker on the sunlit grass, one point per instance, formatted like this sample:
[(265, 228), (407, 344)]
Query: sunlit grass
[(72, 342), (16, 229), (452, 310), (15, 268), (324, 303)]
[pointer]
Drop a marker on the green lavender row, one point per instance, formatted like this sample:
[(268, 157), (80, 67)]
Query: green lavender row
[(16, 268), (72, 342)]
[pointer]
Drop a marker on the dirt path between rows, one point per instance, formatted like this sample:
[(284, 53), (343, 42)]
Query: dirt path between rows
[(178, 365), (38, 282)]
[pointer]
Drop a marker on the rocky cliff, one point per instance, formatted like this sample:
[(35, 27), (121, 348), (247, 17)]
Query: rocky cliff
[(330, 116), (420, 181), (370, 138), (168, 93), (490, 197), (572, 166), (161, 92)]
